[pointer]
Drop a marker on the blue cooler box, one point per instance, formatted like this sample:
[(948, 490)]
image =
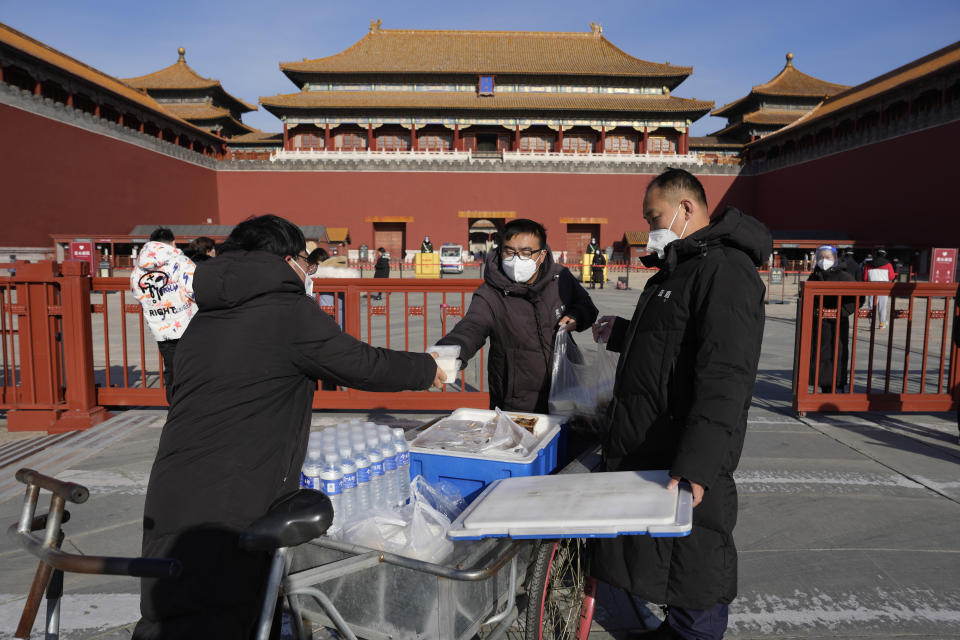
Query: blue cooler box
[(471, 473)]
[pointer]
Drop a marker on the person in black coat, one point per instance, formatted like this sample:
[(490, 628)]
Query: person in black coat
[(382, 268), (851, 265), (236, 434), (599, 262), (525, 298), (835, 323), (688, 362)]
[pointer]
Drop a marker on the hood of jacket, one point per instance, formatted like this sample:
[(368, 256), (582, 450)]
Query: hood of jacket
[(155, 256), (494, 276), (236, 277), (730, 228), (879, 261)]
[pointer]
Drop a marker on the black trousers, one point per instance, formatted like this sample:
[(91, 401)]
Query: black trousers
[(167, 349)]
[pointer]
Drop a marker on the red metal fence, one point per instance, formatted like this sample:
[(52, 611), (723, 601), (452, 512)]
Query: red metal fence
[(409, 315), (886, 355)]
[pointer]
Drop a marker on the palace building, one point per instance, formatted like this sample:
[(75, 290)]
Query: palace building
[(188, 95), (485, 92), (772, 105), (450, 134)]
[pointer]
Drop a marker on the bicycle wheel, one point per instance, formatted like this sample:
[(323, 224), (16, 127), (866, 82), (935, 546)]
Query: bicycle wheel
[(556, 589)]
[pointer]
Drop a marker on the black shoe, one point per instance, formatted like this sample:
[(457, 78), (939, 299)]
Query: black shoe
[(663, 632)]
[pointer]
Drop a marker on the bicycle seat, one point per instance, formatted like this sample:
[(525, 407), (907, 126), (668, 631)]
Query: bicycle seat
[(294, 519)]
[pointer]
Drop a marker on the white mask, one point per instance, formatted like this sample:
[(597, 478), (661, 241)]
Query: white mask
[(307, 280), (660, 238), (519, 269), (825, 263)]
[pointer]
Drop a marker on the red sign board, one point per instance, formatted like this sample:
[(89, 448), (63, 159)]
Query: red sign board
[(82, 250), (944, 266)]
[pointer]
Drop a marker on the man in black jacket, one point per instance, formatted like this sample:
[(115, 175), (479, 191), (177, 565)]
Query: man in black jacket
[(236, 434), (684, 384), (524, 299)]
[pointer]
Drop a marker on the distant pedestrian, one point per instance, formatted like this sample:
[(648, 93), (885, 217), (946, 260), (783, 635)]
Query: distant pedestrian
[(833, 327), (880, 270), (162, 281), (382, 268), (597, 269), (851, 265), (201, 248)]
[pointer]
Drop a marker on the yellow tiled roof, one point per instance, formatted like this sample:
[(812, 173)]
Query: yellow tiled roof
[(196, 110), (337, 234), (464, 100), (929, 64), (789, 82), (256, 136), (47, 54), (180, 75), (774, 116), (493, 52)]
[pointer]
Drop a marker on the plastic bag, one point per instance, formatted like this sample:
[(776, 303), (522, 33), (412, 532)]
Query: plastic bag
[(509, 436), (418, 530), (580, 389)]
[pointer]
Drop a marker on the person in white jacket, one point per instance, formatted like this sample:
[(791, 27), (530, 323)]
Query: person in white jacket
[(162, 281), (879, 270)]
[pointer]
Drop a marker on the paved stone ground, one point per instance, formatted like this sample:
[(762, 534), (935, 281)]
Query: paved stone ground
[(847, 523)]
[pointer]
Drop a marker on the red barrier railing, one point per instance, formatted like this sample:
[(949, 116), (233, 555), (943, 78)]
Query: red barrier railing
[(875, 347), (47, 352), (410, 315)]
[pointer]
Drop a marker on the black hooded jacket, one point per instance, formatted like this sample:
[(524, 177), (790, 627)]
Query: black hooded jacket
[(684, 384), (236, 434), (521, 321)]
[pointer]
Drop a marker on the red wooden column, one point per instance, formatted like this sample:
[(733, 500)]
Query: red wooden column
[(456, 137), (286, 137), (371, 144), (516, 139), (559, 143), (603, 138), (37, 89), (326, 137), (1, 75), (81, 394), (120, 119), (413, 136), (96, 110), (69, 98), (643, 146)]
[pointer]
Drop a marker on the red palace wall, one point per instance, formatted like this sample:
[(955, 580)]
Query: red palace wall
[(346, 199), (901, 191), (56, 178)]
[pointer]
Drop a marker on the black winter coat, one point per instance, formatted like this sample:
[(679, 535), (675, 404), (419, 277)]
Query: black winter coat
[(382, 268), (835, 335), (684, 384), (236, 435), (521, 321)]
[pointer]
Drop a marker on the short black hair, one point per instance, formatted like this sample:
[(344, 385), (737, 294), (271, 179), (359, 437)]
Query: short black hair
[(679, 180), (523, 225), (317, 256), (269, 233), (200, 246), (162, 234), (381, 250)]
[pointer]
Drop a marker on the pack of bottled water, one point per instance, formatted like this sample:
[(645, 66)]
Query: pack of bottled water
[(362, 467)]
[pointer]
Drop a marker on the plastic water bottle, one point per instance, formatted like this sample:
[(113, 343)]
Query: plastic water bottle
[(331, 480), (391, 493), (310, 473), (362, 462), (349, 469), (376, 473), (403, 466)]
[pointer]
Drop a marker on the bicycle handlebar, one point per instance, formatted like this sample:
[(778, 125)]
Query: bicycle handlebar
[(69, 491)]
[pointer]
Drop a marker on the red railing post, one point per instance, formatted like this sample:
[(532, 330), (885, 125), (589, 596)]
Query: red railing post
[(38, 403), (81, 393)]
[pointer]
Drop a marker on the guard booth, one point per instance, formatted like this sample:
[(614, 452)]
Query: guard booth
[(427, 265), (586, 269)]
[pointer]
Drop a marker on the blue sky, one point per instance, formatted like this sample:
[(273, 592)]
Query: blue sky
[(731, 45)]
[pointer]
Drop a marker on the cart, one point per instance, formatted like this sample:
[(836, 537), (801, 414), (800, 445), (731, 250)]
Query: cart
[(491, 588)]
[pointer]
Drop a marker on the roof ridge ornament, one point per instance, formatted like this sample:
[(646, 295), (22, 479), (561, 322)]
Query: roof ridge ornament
[(789, 59), (376, 25), (596, 28), (182, 52)]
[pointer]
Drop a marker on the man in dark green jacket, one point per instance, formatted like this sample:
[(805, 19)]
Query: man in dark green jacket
[(688, 360)]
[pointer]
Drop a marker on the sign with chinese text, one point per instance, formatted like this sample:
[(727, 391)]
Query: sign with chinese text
[(944, 266), (82, 250), (486, 86)]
